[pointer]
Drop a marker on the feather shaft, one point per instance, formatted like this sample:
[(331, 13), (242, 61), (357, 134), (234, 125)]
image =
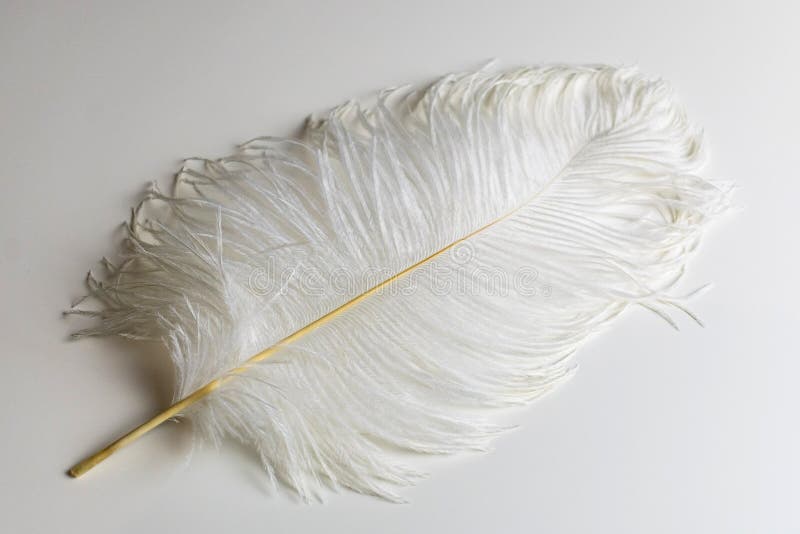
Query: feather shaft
[(176, 409)]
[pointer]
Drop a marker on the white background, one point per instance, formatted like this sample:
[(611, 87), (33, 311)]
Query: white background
[(660, 431)]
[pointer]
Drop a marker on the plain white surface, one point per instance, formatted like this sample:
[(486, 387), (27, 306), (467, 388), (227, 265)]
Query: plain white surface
[(660, 431)]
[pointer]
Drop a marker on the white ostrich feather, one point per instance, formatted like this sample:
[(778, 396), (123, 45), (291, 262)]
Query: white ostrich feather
[(585, 176)]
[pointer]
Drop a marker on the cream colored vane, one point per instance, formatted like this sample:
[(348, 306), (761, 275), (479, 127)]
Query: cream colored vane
[(407, 268)]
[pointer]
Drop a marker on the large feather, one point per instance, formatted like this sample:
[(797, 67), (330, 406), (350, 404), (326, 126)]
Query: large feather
[(578, 192)]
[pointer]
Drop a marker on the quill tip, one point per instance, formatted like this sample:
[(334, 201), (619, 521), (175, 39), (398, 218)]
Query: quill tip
[(80, 468)]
